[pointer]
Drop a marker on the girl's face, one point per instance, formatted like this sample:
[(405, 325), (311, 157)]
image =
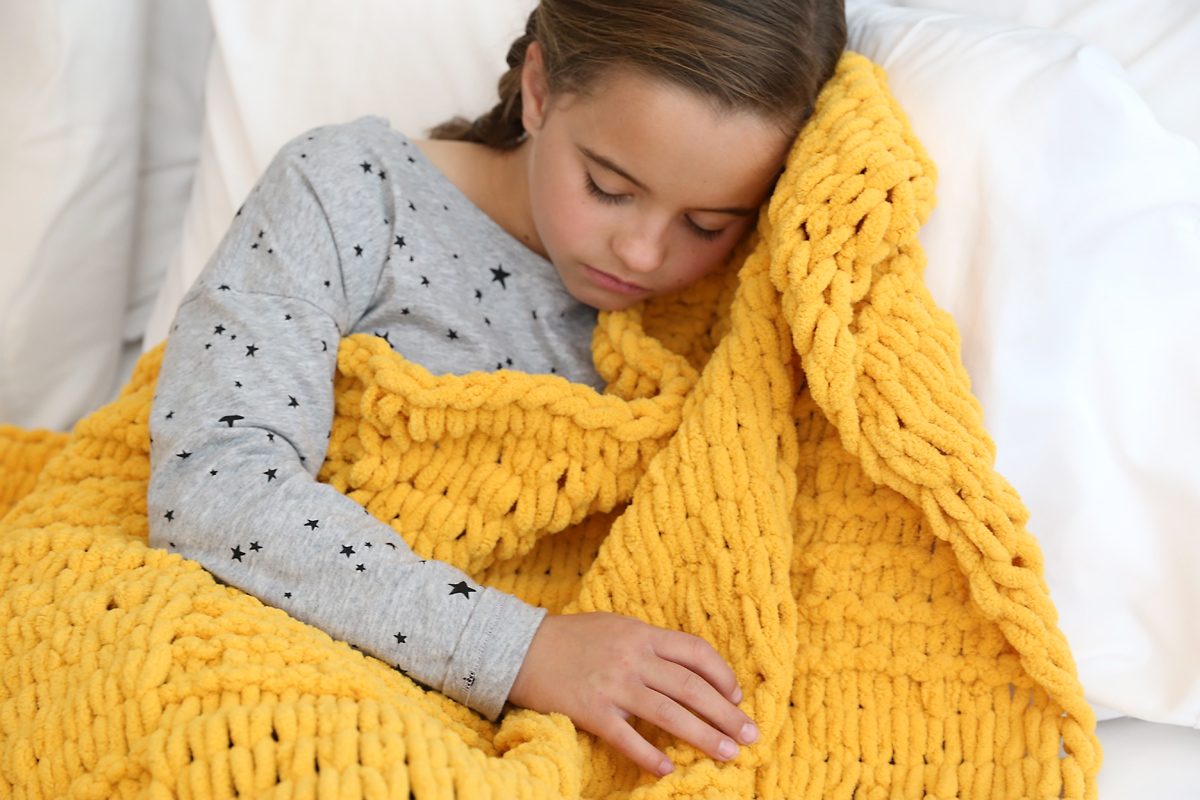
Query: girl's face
[(640, 188)]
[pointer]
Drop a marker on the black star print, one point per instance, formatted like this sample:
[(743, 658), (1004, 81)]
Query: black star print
[(170, 515), (424, 281), (401, 638), (326, 284), (287, 317), (231, 418), (499, 274), (499, 365), (453, 334), (255, 546), (368, 544), (412, 160), (224, 287), (254, 246), (360, 568), (347, 550), (358, 250), (207, 346), (312, 523), (404, 311), (271, 437), (487, 321), (212, 472), (251, 350), (287, 594), (399, 241), (293, 402), (170, 414), (270, 475), (411, 206), (382, 175), (508, 361), (366, 167), (535, 313), (184, 454), (219, 330), (324, 346), (232, 337), (461, 588), (261, 234), (478, 295), (237, 553)]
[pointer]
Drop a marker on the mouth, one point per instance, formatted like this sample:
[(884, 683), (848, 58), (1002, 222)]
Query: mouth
[(606, 281)]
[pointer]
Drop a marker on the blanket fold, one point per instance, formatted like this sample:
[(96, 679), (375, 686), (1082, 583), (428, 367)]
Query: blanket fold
[(787, 462)]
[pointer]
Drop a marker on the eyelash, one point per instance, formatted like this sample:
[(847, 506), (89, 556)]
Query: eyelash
[(616, 199)]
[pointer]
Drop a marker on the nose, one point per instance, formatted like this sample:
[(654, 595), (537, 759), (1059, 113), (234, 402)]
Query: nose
[(641, 246)]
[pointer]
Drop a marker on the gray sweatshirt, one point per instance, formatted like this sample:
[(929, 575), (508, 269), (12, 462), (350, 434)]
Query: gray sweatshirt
[(351, 229)]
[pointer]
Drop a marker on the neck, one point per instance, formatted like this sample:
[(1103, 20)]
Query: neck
[(509, 206)]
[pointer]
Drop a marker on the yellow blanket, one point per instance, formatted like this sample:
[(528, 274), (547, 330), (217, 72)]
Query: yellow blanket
[(788, 462)]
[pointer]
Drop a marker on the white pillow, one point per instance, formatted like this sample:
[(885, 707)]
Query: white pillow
[(281, 67), (1066, 243), (1156, 41), (71, 80)]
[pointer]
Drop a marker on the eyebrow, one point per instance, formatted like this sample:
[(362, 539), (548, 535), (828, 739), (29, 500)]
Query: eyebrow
[(737, 211)]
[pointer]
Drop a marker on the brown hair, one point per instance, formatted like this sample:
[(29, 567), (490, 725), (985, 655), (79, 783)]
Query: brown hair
[(769, 57)]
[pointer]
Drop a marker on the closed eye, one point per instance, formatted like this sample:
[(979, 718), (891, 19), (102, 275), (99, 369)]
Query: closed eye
[(706, 234), (595, 191), (601, 195)]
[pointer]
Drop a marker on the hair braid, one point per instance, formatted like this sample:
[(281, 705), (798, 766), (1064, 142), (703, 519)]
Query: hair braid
[(500, 128)]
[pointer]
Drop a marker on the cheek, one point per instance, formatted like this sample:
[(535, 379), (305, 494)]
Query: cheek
[(564, 217), (702, 258)]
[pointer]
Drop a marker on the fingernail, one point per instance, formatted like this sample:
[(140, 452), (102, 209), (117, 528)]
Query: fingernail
[(665, 768), (727, 749), (737, 695), (749, 733)]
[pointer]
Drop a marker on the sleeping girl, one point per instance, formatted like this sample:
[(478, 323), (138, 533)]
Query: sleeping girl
[(632, 145)]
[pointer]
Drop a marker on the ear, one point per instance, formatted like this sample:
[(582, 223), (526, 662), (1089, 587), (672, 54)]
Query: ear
[(535, 92)]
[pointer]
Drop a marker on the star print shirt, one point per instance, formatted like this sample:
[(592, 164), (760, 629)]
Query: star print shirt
[(349, 230)]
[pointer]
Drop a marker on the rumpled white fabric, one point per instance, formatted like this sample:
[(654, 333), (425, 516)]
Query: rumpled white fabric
[(1067, 240), (99, 124)]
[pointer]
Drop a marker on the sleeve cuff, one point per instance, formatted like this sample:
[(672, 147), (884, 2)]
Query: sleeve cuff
[(491, 651)]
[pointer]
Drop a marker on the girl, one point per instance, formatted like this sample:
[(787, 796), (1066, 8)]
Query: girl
[(632, 146)]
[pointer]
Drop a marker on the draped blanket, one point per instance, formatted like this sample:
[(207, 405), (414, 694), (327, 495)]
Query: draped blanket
[(787, 462)]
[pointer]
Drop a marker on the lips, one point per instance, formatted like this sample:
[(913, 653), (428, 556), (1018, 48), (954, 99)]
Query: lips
[(606, 281)]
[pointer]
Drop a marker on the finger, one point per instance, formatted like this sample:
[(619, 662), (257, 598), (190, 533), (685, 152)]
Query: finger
[(700, 657), (625, 739), (660, 710), (692, 691), (724, 723)]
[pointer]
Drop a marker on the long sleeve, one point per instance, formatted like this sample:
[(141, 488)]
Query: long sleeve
[(241, 420)]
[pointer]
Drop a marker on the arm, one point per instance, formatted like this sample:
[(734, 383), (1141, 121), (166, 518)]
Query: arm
[(240, 425)]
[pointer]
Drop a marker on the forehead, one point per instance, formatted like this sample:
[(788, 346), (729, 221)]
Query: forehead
[(673, 140)]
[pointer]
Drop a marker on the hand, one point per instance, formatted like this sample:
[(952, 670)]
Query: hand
[(600, 669)]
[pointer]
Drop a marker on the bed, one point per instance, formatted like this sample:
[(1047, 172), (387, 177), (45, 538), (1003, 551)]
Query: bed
[(1067, 138)]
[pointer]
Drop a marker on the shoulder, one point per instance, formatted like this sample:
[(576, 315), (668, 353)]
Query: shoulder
[(330, 145)]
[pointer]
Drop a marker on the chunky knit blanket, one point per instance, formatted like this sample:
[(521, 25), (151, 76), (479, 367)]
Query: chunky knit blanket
[(788, 462)]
